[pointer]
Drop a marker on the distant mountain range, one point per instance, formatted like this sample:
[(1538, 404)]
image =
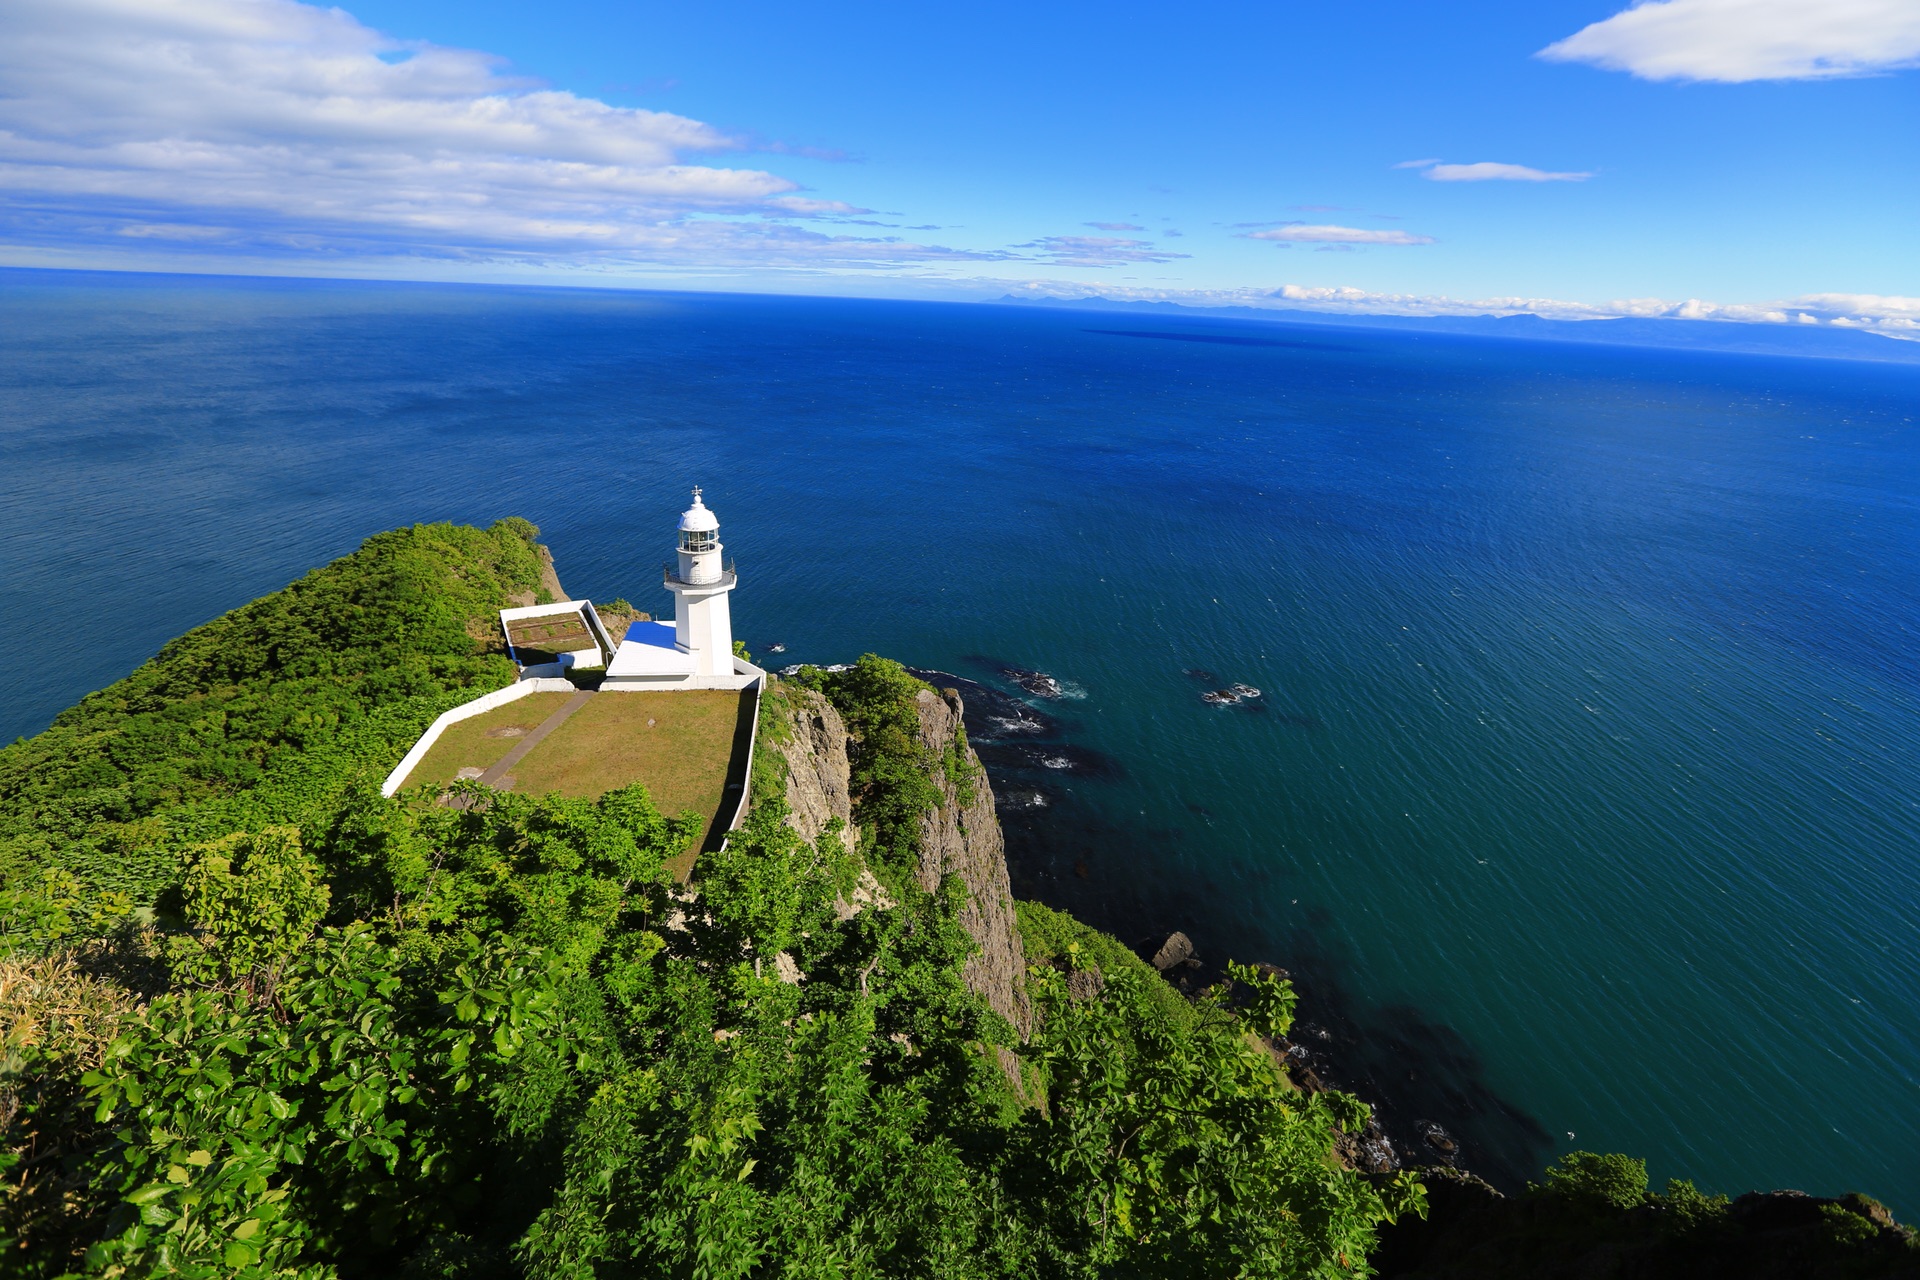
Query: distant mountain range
[(1692, 335)]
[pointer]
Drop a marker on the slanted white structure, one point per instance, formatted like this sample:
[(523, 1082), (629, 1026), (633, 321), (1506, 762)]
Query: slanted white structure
[(696, 651), (547, 640)]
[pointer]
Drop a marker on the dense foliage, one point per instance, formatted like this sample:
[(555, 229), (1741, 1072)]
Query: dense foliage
[(261, 715), (513, 1045), (1593, 1217), (264, 1021)]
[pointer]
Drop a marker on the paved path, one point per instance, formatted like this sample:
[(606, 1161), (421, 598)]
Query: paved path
[(491, 778)]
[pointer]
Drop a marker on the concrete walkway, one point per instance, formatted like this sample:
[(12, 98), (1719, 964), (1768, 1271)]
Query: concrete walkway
[(492, 777)]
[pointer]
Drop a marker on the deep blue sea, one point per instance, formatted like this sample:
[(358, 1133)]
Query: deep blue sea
[(1584, 794)]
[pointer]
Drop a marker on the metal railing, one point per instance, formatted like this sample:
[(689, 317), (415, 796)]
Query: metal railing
[(727, 578)]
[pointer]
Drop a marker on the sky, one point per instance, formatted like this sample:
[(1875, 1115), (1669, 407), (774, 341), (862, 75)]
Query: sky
[(1714, 159)]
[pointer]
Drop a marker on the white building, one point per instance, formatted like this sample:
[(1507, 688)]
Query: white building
[(696, 650)]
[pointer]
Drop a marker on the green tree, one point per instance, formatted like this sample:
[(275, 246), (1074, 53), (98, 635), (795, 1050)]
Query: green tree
[(251, 899), (1600, 1181)]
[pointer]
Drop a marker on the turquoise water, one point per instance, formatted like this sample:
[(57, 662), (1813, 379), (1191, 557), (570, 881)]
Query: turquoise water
[(1583, 794)]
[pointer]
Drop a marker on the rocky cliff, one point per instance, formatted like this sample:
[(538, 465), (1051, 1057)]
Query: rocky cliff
[(961, 836), (811, 740)]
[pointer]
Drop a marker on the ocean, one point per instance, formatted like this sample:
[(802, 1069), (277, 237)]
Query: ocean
[(1582, 793)]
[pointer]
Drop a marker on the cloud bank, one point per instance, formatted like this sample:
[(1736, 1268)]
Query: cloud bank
[(1740, 40), (1890, 315), (279, 126)]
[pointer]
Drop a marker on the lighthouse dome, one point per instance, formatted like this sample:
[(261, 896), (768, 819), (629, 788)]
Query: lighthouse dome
[(697, 518)]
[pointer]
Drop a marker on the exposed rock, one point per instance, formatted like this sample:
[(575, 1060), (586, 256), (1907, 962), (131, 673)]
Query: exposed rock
[(815, 751), (1369, 1151), (1176, 950), (958, 838), (1443, 1143), (1085, 984), (963, 839), (549, 577), (867, 892)]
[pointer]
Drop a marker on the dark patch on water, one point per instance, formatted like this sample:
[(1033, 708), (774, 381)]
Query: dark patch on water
[(1419, 1074), (1225, 339), (1023, 748)]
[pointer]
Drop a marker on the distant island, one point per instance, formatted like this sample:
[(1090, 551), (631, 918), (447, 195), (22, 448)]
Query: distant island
[(313, 962)]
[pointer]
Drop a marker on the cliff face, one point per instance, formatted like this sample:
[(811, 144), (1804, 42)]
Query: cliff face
[(960, 837), (815, 751)]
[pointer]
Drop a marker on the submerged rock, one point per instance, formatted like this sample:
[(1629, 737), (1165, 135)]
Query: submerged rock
[(1037, 683)]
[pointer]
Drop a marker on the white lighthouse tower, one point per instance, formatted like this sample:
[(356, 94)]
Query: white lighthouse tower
[(702, 623), (695, 651)]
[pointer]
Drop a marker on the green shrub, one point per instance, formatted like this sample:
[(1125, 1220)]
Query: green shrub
[(495, 1037), (1686, 1210), (892, 772), (251, 900), (1048, 936), (1600, 1181)]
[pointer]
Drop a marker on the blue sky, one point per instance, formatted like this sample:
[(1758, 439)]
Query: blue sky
[(1757, 156)]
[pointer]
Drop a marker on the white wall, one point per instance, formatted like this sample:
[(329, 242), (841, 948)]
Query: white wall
[(466, 711)]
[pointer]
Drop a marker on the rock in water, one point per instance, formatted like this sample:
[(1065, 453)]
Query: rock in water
[(1037, 683), (1177, 949)]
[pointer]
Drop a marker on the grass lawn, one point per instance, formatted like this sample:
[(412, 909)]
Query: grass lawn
[(680, 745), (479, 743)]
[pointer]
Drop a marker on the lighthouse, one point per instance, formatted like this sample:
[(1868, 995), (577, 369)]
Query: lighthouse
[(702, 622), (695, 650)]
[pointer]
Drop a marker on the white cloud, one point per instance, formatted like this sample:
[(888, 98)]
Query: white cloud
[(1493, 171), (1408, 164), (1740, 40), (1300, 233), (802, 207), (1893, 316), (1098, 251), (277, 127), (1115, 226)]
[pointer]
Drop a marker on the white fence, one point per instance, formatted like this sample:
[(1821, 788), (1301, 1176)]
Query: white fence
[(466, 711), (501, 697), (759, 687)]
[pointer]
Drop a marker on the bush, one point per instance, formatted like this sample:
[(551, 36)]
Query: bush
[(892, 772), (1609, 1181), (251, 900), (1685, 1210), (1053, 937)]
